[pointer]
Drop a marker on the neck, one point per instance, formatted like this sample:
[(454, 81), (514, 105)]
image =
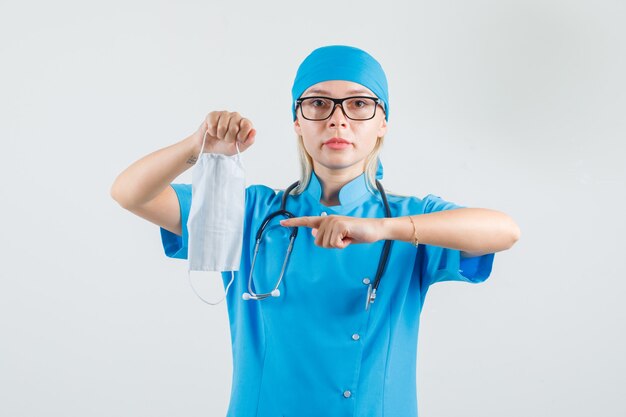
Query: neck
[(333, 180)]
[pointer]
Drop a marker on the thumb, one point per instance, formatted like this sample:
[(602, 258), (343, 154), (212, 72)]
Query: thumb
[(248, 141), (344, 243)]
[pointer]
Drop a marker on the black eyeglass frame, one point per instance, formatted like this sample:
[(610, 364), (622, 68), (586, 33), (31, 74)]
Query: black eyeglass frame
[(338, 101)]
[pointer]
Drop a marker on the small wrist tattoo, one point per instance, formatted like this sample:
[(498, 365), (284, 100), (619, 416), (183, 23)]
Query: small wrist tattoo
[(192, 160)]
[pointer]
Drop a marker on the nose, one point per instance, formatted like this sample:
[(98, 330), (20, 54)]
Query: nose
[(337, 118)]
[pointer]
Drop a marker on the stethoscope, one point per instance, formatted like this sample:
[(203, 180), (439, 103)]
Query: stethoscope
[(372, 288)]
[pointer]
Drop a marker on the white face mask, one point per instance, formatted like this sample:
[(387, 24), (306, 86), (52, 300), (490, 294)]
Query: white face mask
[(215, 224)]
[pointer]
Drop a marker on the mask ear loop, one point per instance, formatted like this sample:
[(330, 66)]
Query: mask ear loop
[(238, 153), (232, 273), (202, 147)]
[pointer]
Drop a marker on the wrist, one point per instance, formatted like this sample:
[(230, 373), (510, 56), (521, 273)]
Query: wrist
[(398, 228), (388, 228), (192, 148)]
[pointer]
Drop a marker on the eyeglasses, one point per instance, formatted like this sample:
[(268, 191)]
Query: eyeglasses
[(354, 108)]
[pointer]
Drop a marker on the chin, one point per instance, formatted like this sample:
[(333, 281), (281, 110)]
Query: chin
[(338, 166)]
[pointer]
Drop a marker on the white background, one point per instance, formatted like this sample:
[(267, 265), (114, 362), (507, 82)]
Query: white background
[(513, 105)]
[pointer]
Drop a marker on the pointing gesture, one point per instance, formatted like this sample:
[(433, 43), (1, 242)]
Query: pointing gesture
[(339, 231)]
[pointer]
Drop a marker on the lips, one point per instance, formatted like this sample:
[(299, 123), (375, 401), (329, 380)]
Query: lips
[(337, 144), (337, 141)]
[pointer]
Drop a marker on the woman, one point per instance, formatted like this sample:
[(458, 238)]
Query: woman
[(316, 350)]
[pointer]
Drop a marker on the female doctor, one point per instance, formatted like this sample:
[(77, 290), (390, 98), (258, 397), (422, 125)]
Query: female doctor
[(323, 347)]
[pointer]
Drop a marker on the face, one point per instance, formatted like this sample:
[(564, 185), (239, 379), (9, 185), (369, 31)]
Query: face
[(340, 144)]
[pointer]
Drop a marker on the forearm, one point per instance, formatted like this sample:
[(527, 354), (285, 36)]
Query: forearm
[(147, 177), (473, 230)]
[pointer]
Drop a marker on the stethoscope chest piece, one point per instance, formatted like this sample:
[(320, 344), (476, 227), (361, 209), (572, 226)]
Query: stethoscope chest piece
[(371, 296)]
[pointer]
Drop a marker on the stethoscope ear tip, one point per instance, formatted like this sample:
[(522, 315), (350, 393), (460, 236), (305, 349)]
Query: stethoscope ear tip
[(275, 293), (245, 296)]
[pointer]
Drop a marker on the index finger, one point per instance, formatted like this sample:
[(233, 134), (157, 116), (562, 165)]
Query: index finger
[(307, 221)]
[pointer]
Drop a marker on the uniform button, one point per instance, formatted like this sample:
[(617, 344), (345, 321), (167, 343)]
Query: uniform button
[(366, 281), (347, 394), (356, 336), (323, 213)]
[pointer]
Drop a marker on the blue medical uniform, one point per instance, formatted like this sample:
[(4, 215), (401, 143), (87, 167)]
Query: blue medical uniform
[(315, 351)]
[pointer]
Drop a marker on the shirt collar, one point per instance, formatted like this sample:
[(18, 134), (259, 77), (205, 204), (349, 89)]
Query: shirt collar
[(351, 192)]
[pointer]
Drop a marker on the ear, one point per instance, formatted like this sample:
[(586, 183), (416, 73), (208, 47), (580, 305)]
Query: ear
[(382, 130), (296, 127)]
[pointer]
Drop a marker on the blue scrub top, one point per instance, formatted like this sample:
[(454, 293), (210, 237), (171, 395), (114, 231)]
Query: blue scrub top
[(315, 350)]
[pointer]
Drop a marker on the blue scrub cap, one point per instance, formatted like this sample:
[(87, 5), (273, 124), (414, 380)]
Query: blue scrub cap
[(340, 62)]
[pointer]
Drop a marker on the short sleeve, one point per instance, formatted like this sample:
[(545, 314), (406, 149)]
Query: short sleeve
[(176, 246), (445, 264)]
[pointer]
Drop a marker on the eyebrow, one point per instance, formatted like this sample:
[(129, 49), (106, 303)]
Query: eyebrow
[(356, 91)]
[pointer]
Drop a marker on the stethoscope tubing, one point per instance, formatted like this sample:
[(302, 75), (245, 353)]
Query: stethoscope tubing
[(382, 263)]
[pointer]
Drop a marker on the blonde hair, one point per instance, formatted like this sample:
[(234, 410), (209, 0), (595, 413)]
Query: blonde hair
[(306, 165)]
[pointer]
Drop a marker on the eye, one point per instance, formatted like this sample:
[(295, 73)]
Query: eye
[(359, 103), (315, 102)]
